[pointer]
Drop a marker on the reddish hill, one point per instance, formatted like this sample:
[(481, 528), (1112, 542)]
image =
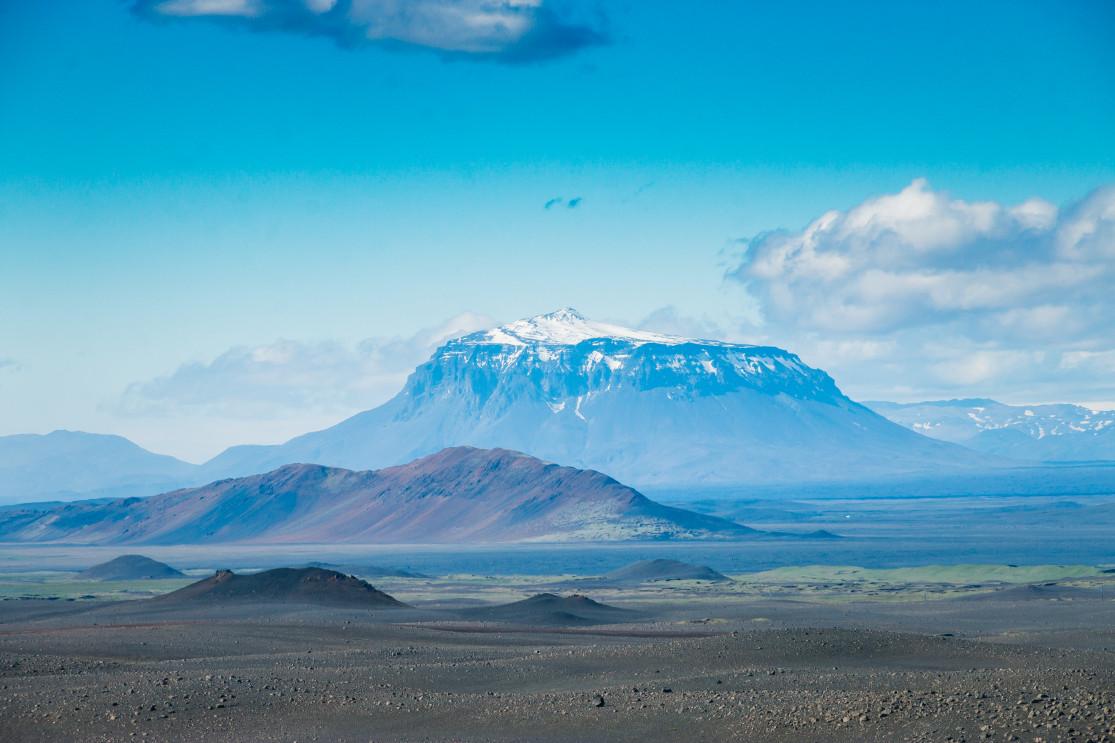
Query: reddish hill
[(457, 495)]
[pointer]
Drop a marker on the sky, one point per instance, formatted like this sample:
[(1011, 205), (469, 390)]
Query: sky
[(231, 221)]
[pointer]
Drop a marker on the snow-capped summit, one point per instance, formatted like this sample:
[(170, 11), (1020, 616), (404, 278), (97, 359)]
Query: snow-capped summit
[(564, 327), (646, 408)]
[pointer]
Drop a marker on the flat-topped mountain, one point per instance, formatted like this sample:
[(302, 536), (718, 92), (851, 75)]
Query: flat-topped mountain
[(455, 496), (646, 408), (130, 567), (286, 585)]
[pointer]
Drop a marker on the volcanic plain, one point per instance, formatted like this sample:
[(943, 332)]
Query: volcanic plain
[(962, 653)]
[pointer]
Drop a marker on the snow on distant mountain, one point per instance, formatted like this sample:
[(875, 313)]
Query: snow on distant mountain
[(1027, 432), (646, 408), (65, 465)]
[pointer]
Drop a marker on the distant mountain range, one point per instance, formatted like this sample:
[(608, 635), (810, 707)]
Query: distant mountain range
[(460, 495), (646, 408), (1047, 433), (65, 465), (649, 409)]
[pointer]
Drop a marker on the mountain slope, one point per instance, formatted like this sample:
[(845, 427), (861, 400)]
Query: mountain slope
[(1026, 432), (646, 408), (458, 495), (64, 465)]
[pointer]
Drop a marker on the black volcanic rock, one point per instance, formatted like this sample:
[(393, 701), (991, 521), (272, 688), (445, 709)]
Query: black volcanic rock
[(655, 570), (455, 496), (367, 571), (285, 585), (130, 567), (548, 609)]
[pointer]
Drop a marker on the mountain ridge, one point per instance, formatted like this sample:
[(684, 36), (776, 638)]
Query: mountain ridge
[(459, 495), (64, 464), (1057, 432)]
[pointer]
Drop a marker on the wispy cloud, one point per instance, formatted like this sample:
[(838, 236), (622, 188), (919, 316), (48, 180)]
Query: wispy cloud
[(671, 321), (8, 364), (556, 201), (951, 293), (512, 31), (292, 376)]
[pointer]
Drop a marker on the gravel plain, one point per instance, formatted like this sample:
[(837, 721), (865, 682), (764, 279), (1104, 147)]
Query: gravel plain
[(1015, 668)]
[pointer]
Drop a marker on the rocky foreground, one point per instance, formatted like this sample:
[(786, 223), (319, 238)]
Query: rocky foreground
[(272, 673)]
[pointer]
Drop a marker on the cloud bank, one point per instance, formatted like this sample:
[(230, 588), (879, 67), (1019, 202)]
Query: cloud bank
[(943, 294), (512, 31), (292, 377)]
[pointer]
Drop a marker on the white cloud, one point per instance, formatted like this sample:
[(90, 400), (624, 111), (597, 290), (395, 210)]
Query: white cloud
[(924, 291), (506, 30), (292, 377), (670, 321)]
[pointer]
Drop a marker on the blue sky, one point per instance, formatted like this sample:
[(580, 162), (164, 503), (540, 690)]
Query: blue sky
[(184, 197)]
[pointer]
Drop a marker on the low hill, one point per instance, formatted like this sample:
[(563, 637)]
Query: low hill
[(284, 585), (547, 609), (458, 495), (130, 567), (367, 571), (656, 570)]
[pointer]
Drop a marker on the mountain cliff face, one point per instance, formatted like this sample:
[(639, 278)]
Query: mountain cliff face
[(1025, 432), (459, 495), (646, 408)]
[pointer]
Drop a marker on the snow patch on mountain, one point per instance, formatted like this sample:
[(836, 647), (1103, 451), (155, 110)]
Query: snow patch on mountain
[(1057, 432), (643, 407), (565, 327)]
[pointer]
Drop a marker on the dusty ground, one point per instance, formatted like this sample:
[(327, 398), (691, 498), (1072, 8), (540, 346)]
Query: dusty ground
[(1009, 665)]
